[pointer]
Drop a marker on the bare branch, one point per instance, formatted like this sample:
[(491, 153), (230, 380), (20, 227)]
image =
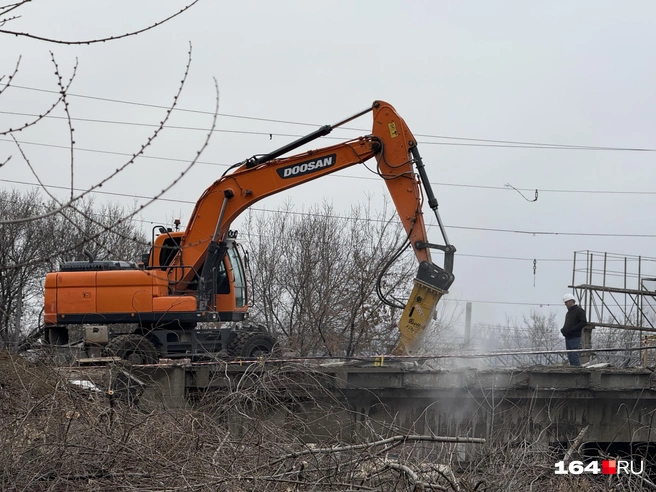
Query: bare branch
[(88, 217), (5, 9), (575, 445), (40, 216), (38, 118), (141, 207), (101, 40), (155, 134), (63, 90), (8, 19), (393, 439), (11, 76), (414, 478), (118, 170)]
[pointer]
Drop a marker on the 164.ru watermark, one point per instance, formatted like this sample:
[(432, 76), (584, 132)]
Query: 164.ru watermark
[(603, 467)]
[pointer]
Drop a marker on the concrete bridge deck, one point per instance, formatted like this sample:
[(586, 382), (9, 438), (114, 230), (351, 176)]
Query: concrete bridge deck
[(540, 404)]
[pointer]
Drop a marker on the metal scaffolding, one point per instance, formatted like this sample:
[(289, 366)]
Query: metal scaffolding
[(617, 291)]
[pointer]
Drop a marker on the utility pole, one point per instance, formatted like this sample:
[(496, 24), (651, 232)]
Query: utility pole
[(468, 313)]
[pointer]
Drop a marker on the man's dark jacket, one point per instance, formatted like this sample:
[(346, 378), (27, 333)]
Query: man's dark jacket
[(574, 322)]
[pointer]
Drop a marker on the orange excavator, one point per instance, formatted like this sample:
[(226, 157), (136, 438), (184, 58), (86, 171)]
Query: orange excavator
[(197, 275)]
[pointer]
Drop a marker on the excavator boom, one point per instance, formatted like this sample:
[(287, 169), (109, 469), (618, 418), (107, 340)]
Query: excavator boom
[(391, 142), (393, 145)]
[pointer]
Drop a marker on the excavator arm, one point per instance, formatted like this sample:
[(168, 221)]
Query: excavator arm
[(391, 142)]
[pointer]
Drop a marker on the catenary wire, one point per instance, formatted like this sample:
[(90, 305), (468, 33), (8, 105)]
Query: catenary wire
[(468, 228), (347, 176), (484, 142)]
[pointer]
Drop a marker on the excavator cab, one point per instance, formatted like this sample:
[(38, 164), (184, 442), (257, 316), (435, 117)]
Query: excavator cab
[(220, 287)]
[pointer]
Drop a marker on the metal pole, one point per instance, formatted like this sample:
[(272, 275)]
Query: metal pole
[(644, 357), (15, 337), (603, 292), (468, 315), (640, 314), (588, 295), (626, 317)]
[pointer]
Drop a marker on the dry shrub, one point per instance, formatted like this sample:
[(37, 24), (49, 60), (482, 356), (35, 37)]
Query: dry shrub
[(274, 429)]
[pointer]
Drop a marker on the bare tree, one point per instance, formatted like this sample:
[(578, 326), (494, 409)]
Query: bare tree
[(314, 278), (19, 243), (21, 278), (605, 337), (113, 239), (538, 331)]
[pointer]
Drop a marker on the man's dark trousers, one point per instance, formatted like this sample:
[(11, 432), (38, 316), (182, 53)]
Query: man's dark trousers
[(573, 344)]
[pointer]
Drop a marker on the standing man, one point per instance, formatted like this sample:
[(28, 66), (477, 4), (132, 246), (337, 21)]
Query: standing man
[(571, 330)]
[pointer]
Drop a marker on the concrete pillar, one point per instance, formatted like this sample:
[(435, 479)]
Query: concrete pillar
[(586, 343), (165, 386)]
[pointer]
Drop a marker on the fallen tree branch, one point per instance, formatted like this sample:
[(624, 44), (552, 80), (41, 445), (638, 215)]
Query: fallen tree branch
[(345, 486), (401, 438), (413, 476), (575, 445)]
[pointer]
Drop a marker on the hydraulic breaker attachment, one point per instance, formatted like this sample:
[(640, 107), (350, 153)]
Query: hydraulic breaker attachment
[(431, 283)]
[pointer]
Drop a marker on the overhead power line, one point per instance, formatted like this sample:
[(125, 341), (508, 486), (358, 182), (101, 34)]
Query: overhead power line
[(153, 125), (540, 304), (481, 142), (112, 152), (98, 192), (341, 217), (550, 233), (341, 175)]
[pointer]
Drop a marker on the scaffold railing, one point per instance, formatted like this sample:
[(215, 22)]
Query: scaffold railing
[(618, 292)]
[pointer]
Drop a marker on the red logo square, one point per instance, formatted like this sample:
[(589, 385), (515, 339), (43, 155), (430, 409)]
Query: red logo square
[(609, 467)]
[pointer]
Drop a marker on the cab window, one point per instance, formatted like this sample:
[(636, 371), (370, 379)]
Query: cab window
[(239, 278)]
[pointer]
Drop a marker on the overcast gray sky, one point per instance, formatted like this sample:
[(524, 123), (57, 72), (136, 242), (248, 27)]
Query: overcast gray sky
[(573, 73)]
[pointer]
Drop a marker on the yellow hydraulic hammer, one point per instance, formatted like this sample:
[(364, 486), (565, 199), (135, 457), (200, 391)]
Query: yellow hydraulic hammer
[(431, 283), (416, 316)]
